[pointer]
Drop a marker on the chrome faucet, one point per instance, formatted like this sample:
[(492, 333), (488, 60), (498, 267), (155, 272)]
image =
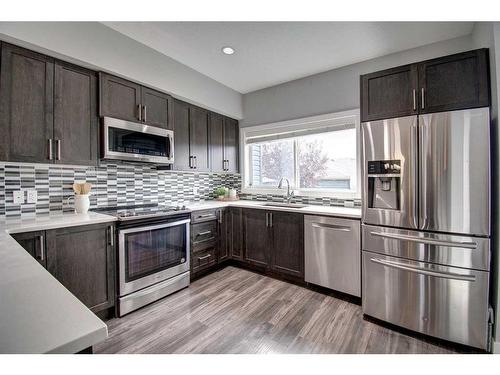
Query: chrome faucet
[(289, 193)]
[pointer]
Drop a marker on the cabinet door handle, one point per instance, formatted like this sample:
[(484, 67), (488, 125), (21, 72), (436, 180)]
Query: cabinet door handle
[(220, 216), (139, 112), (205, 215), (423, 98), (271, 219), (58, 147), (144, 113), (195, 162), (190, 162), (414, 99), (51, 150), (204, 233), (267, 219), (111, 234), (42, 248), (205, 257)]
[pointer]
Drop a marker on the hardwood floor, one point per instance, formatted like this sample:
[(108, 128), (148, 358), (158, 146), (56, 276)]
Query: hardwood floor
[(238, 311)]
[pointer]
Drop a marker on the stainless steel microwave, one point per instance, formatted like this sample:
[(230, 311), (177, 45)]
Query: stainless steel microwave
[(126, 140)]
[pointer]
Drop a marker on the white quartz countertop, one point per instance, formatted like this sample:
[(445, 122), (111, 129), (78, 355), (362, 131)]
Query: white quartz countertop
[(346, 212), (37, 313)]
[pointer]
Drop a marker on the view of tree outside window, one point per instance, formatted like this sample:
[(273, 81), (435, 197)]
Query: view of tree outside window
[(324, 161)]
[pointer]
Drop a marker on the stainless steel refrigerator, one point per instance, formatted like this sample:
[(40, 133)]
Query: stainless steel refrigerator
[(426, 224)]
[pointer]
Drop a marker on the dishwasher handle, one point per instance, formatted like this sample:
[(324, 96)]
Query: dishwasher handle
[(342, 228)]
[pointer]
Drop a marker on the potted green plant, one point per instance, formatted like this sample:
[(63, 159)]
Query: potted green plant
[(220, 193)]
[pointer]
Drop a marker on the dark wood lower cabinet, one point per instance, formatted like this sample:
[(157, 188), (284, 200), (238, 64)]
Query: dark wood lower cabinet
[(81, 258), (231, 234), (257, 240), (287, 255), (34, 244)]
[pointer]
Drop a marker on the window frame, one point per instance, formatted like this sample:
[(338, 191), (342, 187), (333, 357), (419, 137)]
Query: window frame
[(321, 121)]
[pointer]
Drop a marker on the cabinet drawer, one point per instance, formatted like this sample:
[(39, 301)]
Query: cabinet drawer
[(204, 259), (202, 216), (203, 235)]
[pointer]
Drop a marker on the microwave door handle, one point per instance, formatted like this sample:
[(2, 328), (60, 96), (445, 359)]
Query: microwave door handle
[(170, 147)]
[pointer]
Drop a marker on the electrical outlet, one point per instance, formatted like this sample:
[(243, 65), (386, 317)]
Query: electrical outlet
[(18, 196), (31, 196)]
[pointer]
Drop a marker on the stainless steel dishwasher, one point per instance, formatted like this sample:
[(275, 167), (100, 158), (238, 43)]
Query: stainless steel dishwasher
[(332, 253)]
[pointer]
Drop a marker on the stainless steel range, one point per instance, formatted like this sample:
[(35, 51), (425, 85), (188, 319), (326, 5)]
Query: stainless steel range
[(153, 253), (426, 224)]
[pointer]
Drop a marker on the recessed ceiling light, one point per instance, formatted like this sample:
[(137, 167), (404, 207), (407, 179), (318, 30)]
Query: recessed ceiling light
[(228, 50)]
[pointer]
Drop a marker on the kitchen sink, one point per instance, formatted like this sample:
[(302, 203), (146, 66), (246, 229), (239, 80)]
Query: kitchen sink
[(289, 205)]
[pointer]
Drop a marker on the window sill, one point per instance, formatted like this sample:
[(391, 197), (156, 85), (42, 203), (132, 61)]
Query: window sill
[(304, 193)]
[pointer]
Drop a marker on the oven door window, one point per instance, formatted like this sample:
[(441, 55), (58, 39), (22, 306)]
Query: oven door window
[(133, 142), (151, 251)]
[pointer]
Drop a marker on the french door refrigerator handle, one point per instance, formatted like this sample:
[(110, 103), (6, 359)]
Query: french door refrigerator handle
[(414, 183), (427, 241), (422, 174), (410, 268)]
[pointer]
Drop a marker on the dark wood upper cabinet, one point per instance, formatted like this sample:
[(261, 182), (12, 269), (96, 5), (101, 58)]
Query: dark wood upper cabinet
[(82, 259), (257, 240), (217, 142), (288, 243), (223, 143), (182, 157), (157, 108), (389, 93), (454, 82), (75, 115), (119, 98), (34, 244), (198, 139), (26, 105), (231, 145)]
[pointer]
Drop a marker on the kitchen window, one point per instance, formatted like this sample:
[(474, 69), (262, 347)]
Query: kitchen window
[(319, 156)]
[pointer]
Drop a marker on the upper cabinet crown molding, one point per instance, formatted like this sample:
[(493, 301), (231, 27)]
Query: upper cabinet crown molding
[(458, 81)]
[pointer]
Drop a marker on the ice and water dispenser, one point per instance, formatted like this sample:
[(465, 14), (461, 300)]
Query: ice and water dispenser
[(384, 178)]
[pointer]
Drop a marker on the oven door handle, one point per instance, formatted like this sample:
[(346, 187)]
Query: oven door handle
[(422, 271), (153, 227)]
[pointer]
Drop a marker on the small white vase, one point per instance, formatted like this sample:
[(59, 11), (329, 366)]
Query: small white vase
[(82, 203)]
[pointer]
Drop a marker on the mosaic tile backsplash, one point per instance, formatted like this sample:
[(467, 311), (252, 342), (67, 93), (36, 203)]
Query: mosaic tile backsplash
[(118, 184), (112, 185), (322, 201)]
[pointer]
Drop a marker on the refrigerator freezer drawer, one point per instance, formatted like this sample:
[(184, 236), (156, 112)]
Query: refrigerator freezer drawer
[(333, 253), (445, 302), (444, 249)]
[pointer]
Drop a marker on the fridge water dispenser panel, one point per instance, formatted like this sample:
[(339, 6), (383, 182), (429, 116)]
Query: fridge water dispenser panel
[(384, 178)]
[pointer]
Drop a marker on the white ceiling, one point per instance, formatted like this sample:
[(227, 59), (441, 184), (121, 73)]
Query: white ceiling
[(269, 53)]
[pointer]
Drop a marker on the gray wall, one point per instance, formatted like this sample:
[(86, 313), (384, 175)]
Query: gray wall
[(97, 46), (487, 34), (334, 90)]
